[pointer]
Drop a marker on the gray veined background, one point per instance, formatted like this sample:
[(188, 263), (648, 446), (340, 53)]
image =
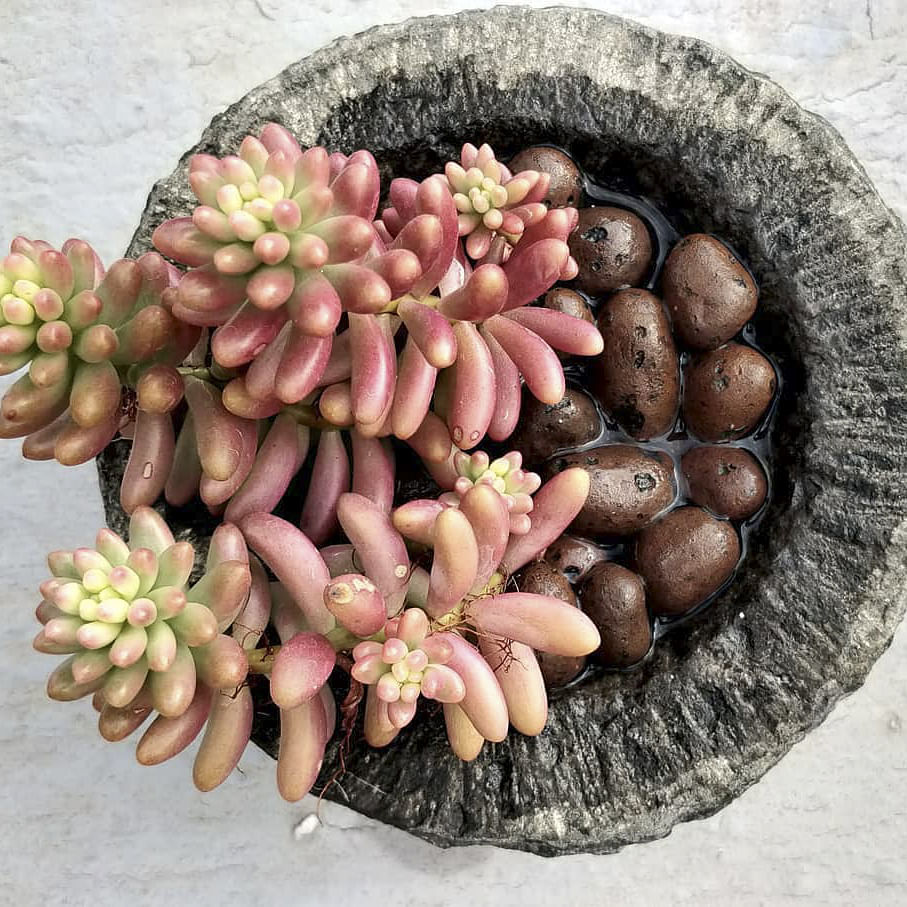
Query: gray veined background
[(98, 100)]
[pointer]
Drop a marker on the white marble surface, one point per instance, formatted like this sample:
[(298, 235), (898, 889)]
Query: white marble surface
[(98, 100)]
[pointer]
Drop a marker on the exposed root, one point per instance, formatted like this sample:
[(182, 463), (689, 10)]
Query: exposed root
[(349, 710), (248, 631)]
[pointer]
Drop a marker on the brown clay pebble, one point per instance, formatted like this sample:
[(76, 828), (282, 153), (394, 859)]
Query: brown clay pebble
[(727, 480), (560, 299), (612, 249), (569, 302), (573, 557), (710, 295), (559, 670), (629, 487), (614, 599), (566, 186), (545, 429), (541, 578), (727, 392), (637, 378), (685, 557)]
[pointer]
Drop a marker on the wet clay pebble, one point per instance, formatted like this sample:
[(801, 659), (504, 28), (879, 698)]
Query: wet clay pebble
[(560, 299), (629, 487), (729, 481), (614, 599), (685, 557), (612, 249), (566, 186), (710, 295), (637, 377), (544, 429), (541, 578), (727, 392), (573, 557), (559, 670)]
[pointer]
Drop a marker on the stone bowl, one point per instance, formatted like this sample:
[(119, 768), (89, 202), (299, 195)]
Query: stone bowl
[(721, 149)]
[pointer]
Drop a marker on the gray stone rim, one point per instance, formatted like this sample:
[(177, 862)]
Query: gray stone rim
[(838, 477)]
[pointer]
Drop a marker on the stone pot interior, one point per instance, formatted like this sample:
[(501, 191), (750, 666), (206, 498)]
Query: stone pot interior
[(627, 755)]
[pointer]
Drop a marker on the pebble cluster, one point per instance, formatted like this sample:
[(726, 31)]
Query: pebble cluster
[(667, 421)]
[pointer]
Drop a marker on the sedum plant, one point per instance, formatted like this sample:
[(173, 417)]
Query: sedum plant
[(85, 335), (299, 338), (490, 201), (132, 624)]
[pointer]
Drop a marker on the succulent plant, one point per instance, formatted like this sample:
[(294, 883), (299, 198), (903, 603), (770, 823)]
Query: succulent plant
[(410, 662), (130, 621), (473, 552), (221, 702), (302, 319), (85, 335), (470, 329), (367, 597), (183, 667), (490, 200), (280, 248), (505, 475)]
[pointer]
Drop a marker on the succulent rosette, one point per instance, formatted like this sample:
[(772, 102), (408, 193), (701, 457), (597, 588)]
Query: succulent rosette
[(470, 334), (280, 248), (490, 200), (133, 626), (505, 474), (188, 673), (410, 662), (84, 334)]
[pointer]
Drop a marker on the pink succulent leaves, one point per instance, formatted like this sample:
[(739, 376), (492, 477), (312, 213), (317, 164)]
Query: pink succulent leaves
[(305, 332), (83, 334), (466, 344), (134, 628), (489, 200), (274, 224), (281, 246), (411, 662)]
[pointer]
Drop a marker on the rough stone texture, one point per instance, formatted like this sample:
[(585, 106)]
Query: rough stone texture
[(625, 758)]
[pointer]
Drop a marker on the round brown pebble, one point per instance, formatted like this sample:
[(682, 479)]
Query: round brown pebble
[(710, 295), (729, 481), (541, 578), (544, 428), (612, 249), (573, 557), (562, 299), (727, 392), (637, 377), (566, 186), (629, 487), (614, 599), (684, 558)]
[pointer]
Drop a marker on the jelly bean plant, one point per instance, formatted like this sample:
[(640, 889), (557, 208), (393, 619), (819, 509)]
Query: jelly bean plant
[(284, 327)]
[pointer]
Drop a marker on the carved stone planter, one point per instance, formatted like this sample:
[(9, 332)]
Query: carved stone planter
[(627, 756)]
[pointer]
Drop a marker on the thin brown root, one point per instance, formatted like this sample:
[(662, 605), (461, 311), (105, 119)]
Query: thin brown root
[(349, 710)]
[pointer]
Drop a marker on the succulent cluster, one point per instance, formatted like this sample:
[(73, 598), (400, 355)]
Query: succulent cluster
[(302, 334), (142, 639), (409, 629), (84, 335), (490, 201)]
